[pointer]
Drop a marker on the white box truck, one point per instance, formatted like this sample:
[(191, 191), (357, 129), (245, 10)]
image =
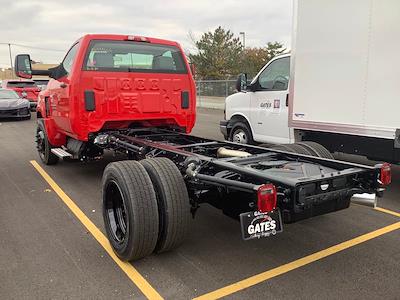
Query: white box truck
[(339, 87)]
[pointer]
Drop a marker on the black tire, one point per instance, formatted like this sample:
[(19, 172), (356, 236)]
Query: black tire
[(130, 210), (44, 147), (317, 149), (299, 149), (266, 145), (282, 147), (173, 202), (241, 133)]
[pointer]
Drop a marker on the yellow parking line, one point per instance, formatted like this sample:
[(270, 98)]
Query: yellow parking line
[(387, 211), (256, 279), (129, 270)]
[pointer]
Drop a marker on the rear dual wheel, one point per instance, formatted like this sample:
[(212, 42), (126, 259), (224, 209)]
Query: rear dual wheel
[(145, 207), (129, 210)]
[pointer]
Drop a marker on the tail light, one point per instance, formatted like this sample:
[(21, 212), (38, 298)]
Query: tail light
[(266, 197), (386, 174)]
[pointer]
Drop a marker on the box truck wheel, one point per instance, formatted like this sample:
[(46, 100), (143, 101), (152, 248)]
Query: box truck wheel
[(130, 210), (316, 149), (43, 146), (295, 148), (299, 149), (241, 133), (282, 147), (173, 202)]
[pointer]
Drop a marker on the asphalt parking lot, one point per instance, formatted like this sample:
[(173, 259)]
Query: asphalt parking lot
[(46, 252)]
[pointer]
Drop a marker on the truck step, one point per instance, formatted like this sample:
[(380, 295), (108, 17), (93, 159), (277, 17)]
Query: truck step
[(61, 153)]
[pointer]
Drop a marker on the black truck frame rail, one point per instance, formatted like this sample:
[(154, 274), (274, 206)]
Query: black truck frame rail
[(305, 185)]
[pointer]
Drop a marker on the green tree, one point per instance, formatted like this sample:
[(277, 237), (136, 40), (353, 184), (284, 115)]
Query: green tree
[(218, 55), (274, 49)]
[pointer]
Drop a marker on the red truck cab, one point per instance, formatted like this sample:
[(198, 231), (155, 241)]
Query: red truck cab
[(27, 89), (114, 82)]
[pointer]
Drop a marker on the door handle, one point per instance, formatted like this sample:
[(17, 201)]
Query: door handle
[(63, 85), (287, 100)]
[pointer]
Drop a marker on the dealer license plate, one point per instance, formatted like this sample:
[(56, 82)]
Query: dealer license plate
[(256, 224)]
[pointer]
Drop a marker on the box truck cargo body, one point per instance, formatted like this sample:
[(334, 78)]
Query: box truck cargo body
[(345, 75)]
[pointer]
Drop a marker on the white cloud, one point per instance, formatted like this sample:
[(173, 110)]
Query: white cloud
[(57, 24)]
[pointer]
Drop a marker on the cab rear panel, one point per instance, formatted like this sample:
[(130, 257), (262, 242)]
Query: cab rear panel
[(119, 82)]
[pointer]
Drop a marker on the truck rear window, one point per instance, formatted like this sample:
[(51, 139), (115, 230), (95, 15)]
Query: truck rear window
[(130, 56)]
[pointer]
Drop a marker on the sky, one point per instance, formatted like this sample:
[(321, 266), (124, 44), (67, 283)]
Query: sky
[(53, 26)]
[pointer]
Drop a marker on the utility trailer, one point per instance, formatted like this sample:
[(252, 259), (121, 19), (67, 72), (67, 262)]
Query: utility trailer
[(136, 95)]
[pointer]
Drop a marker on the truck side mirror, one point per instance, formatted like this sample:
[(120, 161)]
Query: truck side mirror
[(241, 82), (22, 66)]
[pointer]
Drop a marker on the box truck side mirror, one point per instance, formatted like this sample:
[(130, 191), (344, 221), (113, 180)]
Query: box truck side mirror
[(241, 82)]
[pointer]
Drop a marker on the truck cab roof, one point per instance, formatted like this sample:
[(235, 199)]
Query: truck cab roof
[(128, 37)]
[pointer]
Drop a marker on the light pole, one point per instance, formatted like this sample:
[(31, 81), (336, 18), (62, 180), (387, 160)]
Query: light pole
[(244, 38), (9, 50), (11, 64)]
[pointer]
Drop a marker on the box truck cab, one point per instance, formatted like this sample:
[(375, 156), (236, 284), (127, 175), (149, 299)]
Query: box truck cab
[(259, 112)]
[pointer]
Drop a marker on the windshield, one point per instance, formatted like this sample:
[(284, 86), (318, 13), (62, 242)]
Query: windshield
[(129, 56), (21, 84), (6, 94)]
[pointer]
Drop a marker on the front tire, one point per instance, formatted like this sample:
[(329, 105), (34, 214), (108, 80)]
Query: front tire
[(44, 147), (130, 210), (241, 134)]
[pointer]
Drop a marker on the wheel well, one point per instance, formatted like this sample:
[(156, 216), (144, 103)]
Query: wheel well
[(239, 118)]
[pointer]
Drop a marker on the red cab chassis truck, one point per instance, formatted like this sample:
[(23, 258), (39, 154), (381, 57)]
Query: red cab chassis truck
[(136, 95)]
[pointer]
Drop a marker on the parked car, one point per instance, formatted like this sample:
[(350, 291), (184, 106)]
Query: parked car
[(25, 89), (13, 106)]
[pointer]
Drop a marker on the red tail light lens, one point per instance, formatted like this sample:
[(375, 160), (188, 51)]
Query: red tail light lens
[(137, 38), (266, 197), (386, 174)]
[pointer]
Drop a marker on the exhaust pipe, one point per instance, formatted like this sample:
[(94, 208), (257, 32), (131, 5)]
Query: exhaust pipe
[(223, 152), (365, 199)]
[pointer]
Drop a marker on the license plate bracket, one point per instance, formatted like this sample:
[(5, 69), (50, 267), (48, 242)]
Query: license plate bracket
[(257, 224)]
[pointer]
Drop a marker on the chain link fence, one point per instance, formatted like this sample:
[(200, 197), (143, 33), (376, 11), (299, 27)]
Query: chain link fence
[(212, 93)]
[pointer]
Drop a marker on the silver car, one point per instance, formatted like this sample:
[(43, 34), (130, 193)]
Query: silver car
[(12, 106)]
